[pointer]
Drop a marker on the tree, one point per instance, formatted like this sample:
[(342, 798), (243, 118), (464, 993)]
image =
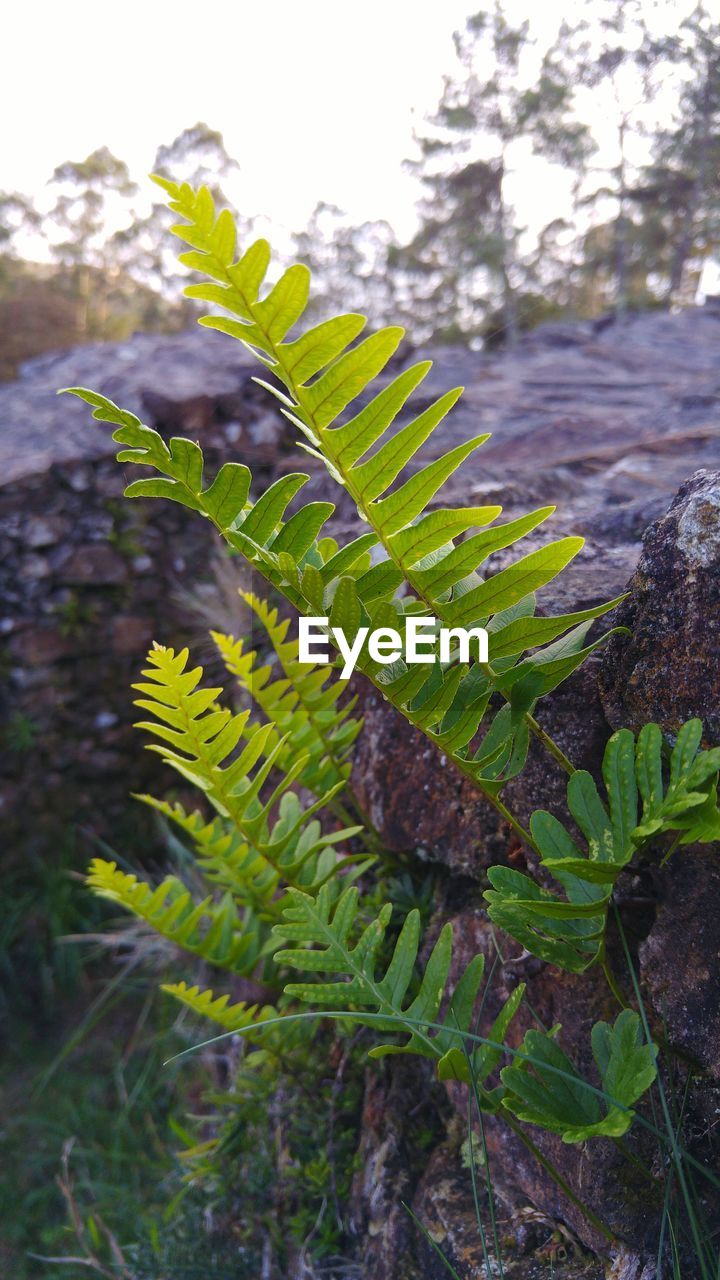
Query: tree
[(350, 264), (618, 59), (465, 256), (92, 195), (681, 187), (17, 215), (197, 155)]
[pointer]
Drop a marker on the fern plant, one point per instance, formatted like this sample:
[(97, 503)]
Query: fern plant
[(287, 899), (323, 928), (199, 739), (214, 931), (569, 931), (423, 569), (261, 840)]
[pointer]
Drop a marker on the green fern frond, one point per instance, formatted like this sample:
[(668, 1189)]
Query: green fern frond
[(226, 861), (569, 931), (323, 374), (324, 371), (231, 1017), (302, 703), (201, 741), (330, 940), (211, 930), (536, 1093)]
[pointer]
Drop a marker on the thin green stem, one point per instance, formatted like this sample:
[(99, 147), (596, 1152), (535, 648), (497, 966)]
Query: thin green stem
[(672, 849), (610, 976), (550, 744), (677, 1153)]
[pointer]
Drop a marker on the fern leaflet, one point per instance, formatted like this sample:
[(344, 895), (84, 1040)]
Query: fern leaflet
[(323, 929), (570, 931)]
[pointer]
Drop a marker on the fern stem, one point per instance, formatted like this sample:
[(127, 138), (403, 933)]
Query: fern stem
[(512, 821), (549, 743), (611, 979), (369, 835), (666, 858), (298, 602)]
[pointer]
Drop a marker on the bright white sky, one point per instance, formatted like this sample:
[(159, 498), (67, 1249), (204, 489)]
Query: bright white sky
[(316, 98)]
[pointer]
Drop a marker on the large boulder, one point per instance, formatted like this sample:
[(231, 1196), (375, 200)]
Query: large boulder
[(668, 669)]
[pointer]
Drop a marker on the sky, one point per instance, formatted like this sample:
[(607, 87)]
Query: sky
[(316, 98)]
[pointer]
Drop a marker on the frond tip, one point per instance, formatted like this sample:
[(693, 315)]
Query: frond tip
[(211, 930), (231, 1017)]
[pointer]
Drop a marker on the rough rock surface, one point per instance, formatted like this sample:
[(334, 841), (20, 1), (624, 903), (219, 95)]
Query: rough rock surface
[(531, 1242), (668, 669), (607, 421), (88, 580)]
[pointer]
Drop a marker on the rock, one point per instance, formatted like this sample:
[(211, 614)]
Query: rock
[(175, 380), (35, 568), (668, 669), (45, 531), (92, 565), (130, 635), (40, 646), (424, 805), (531, 1244), (608, 1184), (679, 957), (400, 1103)]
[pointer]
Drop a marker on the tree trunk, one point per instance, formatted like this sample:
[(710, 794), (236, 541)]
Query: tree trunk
[(509, 305), (621, 282)]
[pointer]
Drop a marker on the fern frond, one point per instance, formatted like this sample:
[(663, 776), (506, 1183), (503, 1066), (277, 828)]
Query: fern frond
[(302, 703), (323, 374), (324, 371), (569, 931), (330, 940), (211, 930), (202, 742), (231, 1017), (536, 1093), (226, 861)]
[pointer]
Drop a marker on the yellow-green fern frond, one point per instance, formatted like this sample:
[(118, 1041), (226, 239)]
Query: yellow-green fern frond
[(328, 378), (202, 741), (212, 930), (231, 1017), (302, 701)]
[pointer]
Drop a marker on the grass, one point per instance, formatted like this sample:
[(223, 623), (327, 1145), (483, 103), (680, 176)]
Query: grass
[(113, 1098)]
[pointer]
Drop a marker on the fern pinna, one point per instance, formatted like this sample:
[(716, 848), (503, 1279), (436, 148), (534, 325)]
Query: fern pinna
[(303, 703), (570, 931), (331, 939), (422, 568)]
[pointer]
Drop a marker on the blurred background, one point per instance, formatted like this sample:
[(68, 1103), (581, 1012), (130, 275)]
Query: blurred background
[(469, 174)]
